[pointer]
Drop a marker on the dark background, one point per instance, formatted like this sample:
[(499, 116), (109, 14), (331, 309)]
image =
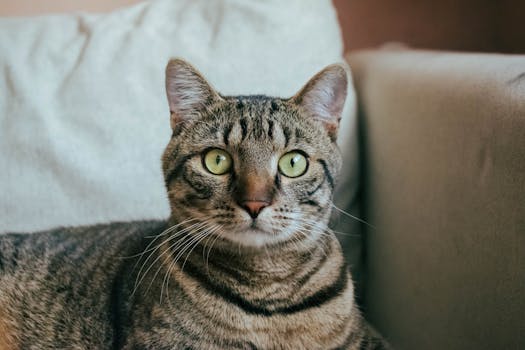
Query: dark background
[(464, 25)]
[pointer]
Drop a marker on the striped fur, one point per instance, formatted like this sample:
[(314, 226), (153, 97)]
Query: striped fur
[(212, 276)]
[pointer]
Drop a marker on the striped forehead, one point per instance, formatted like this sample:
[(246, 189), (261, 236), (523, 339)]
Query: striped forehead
[(258, 119)]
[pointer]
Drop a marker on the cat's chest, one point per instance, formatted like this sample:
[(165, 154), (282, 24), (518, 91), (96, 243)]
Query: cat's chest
[(274, 336), (209, 327), (204, 307)]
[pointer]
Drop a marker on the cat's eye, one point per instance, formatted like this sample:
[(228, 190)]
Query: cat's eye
[(293, 164), (217, 161)]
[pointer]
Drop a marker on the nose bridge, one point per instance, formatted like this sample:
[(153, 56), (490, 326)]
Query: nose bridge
[(254, 186), (255, 180)]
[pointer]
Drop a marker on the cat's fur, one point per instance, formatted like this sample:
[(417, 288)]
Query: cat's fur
[(212, 276)]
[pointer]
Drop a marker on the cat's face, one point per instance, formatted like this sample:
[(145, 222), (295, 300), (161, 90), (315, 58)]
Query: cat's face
[(253, 170)]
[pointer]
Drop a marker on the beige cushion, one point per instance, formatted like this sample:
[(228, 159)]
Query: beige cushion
[(444, 142)]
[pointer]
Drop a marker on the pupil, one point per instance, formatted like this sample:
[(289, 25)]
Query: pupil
[(218, 159), (294, 160)]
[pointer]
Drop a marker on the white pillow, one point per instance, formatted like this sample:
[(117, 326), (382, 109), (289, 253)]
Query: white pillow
[(83, 111)]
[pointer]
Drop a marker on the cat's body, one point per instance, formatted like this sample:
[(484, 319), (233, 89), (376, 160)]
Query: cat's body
[(57, 288), (60, 290), (246, 260)]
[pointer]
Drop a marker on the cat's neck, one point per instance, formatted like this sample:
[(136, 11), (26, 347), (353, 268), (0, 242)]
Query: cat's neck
[(276, 260), (286, 263), (266, 259), (266, 280)]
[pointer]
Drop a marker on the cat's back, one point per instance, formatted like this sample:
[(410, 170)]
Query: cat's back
[(69, 248), (56, 286), (23, 253)]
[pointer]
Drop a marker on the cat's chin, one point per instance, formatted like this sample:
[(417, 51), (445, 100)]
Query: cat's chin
[(253, 237)]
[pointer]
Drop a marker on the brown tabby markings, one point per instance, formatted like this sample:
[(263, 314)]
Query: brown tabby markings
[(287, 328)]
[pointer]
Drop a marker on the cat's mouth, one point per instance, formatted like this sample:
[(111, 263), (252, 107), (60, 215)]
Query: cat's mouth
[(254, 231), (254, 224), (248, 223)]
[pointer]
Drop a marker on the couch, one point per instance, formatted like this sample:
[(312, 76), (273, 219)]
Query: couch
[(443, 182)]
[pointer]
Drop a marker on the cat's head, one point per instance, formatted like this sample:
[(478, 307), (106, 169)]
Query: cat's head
[(254, 170)]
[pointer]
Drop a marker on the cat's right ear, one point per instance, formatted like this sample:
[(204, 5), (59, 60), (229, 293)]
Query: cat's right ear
[(323, 97), (188, 92)]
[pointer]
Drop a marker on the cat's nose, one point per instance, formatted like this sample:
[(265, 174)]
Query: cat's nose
[(254, 207)]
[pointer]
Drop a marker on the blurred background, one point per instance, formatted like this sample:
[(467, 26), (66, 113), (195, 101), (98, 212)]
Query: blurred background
[(464, 25), (459, 25)]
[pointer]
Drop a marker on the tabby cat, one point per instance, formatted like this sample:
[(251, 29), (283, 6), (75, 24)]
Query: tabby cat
[(245, 261)]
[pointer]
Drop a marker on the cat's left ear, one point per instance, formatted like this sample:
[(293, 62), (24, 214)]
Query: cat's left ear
[(323, 97), (188, 92)]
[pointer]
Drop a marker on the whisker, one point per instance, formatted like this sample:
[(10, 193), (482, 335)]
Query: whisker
[(166, 279), (212, 240), (166, 231), (137, 281), (197, 237), (302, 243), (308, 237), (209, 250), (163, 242), (186, 241), (210, 231), (351, 216), (326, 227)]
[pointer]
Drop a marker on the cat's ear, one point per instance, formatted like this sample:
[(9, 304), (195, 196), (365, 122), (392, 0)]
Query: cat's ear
[(188, 91), (323, 97)]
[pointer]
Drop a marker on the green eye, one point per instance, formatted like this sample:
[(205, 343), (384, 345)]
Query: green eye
[(293, 164), (217, 161)]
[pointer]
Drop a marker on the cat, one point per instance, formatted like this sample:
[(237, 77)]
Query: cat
[(245, 261)]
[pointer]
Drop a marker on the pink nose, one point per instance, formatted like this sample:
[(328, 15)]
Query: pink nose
[(254, 207)]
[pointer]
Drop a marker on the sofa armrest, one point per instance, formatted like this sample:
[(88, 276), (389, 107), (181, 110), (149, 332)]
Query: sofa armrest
[(443, 137)]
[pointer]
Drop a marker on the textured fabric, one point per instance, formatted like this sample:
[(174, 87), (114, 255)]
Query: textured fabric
[(444, 142), (83, 112)]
